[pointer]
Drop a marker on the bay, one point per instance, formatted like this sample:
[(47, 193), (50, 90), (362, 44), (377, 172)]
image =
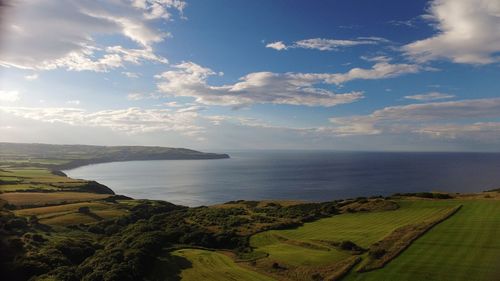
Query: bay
[(302, 175)]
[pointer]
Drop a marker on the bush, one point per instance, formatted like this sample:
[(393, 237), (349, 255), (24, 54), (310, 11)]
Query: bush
[(377, 253), (84, 210)]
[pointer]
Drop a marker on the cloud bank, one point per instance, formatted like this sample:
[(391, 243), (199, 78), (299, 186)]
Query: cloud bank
[(189, 79), (468, 31), (44, 34)]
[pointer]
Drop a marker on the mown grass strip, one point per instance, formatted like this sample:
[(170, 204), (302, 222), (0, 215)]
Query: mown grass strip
[(395, 243)]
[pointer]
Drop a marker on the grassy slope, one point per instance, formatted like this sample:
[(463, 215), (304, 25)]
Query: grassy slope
[(464, 247), (68, 213), (362, 228), (207, 266), (70, 156), (44, 198)]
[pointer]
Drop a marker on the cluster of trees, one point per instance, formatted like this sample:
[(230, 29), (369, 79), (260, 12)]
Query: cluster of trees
[(301, 212)]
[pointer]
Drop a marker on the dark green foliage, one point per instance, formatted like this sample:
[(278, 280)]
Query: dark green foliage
[(377, 253), (129, 246), (33, 220), (304, 212), (431, 195), (225, 217), (76, 251), (350, 246), (84, 210)]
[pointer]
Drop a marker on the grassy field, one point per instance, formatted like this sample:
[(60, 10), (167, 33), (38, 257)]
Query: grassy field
[(35, 179), (296, 254), (464, 247), (46, 198), (204, 265), (68, 213), (305, 245), (208, 265)]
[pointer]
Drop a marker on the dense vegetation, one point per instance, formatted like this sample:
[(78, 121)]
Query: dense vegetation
[(124, 248)]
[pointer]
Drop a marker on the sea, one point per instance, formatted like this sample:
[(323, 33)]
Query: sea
[(296, 175)]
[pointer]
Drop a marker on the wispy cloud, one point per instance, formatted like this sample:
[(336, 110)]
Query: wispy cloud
[(31, 77), (9, 96), (324, 44), (417, 117), (278, 45), (190, 80), (73, 102), (130, 120), (136, 96), (131, 74), (430, 96)]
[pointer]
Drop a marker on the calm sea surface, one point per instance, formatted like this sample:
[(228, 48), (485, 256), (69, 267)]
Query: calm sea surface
[(317, 176)]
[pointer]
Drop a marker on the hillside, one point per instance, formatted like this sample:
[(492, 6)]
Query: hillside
[(61, 157)]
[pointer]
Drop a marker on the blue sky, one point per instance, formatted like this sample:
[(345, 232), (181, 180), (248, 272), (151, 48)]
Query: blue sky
[(341, 75)]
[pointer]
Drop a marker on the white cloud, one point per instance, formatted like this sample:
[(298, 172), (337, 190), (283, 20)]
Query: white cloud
[(333, 44), (190, 80), (154, 9), (414, 117), (130, 120), (430, 96), (485, 131), (380, 70), (468, 32), (43, 35), (324, 44), (194, 108), (31, 77), (136, 96), (73, 102), (171, 104), (9, 96), (131, 74), (278, 45), (136, 55)]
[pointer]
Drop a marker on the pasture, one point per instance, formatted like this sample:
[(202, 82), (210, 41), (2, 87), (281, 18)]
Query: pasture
[(23, 199), (35, 179), (68, 213), (464, 247), (305, 245)]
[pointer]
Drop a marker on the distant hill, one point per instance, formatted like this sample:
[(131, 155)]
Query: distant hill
[(72, 156)]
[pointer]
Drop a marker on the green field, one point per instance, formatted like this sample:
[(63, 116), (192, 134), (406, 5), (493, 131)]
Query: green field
[(68, 214), (464, 247), (35, 179), (305, 245), (21, 199), (207, 266)]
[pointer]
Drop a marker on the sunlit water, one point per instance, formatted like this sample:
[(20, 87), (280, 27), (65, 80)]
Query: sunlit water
[(316, 176)]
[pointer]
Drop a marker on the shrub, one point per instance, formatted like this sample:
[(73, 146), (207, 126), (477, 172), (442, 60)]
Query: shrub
[(377, 253), (84, 210)]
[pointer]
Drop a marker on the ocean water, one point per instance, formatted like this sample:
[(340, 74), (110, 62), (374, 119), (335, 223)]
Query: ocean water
[(305, 175)]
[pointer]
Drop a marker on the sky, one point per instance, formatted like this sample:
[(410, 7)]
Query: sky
[(219, 75)]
